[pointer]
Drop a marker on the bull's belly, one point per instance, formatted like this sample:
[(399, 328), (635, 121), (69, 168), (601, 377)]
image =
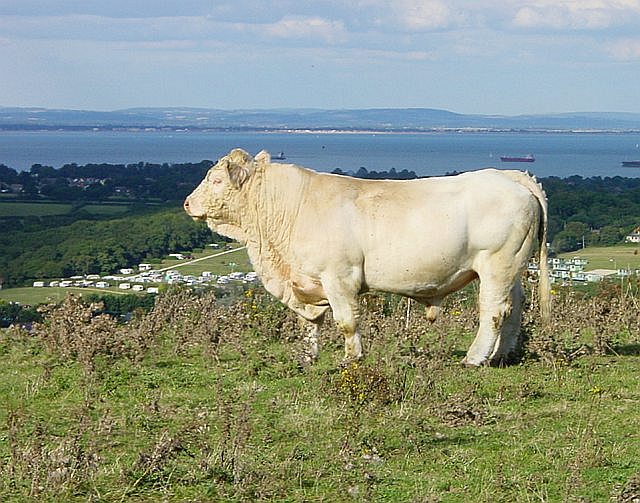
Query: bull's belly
[(419, 284)]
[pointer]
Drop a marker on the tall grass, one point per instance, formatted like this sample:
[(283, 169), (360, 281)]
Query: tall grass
[(205, 400)]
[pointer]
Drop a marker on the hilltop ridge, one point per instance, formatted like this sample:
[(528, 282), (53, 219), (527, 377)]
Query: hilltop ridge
[(379, 119)]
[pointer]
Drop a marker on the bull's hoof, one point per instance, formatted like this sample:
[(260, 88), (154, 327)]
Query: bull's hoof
[(309, 358), (505, 360), (348, 361), (472, 365), (500, 361)]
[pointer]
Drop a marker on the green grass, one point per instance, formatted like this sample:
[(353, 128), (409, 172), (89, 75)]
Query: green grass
[(43, 295), (222, 264), (34, 296), (10, 208), (23, 209), (217, 406), (218, 264), (107, 209), (609, 257)]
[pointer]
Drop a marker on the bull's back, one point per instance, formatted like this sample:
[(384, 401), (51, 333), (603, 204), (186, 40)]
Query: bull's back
[(421, 233), (411, 234)]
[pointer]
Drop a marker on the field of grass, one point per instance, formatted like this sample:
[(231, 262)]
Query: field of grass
[(197, 401), (33, 296), (219, 263), (609, 257), (12, 208), (107, 209), (22, 209)]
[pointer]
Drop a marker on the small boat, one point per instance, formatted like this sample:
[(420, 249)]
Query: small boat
[(279, 156), (631, 164), (526, 158)]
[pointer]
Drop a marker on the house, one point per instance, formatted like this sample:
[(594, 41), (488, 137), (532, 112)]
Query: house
[(178, 256), (102, 284), (124, 286), (137, 288), (144, 267), (599, 274), (38, 284), (126, 271), (633, 237), (251, 276), (153, 289)]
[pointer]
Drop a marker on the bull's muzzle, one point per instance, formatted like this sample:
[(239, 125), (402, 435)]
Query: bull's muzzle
[(194, 210)]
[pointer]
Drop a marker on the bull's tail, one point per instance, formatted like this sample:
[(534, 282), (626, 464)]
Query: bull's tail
[(544, 293)]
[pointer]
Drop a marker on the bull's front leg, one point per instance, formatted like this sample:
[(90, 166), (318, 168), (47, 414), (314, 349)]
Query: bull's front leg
[(343, 299), (352, 342), (346, 315), (311, 338)]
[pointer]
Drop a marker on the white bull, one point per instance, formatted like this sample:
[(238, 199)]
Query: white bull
[(319, 240)]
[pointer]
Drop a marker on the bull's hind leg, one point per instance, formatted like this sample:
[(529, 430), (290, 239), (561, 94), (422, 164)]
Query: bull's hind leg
[(495, 306), (508, 342)]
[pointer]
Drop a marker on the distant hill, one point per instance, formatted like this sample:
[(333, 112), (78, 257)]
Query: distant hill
[(382, 119)]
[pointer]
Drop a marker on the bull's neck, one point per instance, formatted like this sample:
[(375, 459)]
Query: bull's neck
[(275, 197)]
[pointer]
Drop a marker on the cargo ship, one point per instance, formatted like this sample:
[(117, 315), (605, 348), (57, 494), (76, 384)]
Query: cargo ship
[(526, 158), (631, 164)]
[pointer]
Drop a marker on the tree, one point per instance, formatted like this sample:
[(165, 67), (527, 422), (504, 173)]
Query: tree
[(571, 238)]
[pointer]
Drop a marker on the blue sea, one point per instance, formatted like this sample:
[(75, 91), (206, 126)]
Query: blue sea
[(557, 154)]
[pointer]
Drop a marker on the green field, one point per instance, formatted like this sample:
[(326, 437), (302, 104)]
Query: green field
[(218, 263), (43, 209), (33, 296), (609, 257), (202, 402), (106, 209), (20, 209)]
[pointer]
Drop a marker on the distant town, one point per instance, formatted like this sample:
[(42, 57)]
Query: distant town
[(144, 277)]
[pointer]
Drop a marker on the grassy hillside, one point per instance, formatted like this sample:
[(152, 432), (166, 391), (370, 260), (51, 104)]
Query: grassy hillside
[(199, 401), (45, 209), (625, 256)]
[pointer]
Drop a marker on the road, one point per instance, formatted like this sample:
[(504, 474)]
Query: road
[(182, 264)]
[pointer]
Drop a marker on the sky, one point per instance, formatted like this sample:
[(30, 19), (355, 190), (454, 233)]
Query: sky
[(501, 57)]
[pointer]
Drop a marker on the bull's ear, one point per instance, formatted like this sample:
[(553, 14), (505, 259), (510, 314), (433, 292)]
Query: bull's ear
[(239, 173), (263, 157), (239, 167)]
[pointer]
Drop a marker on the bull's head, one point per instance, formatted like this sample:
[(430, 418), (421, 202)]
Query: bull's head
[(217, 199)]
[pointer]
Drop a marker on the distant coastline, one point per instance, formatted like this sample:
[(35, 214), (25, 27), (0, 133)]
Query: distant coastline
[(306, 130), (315, 121)]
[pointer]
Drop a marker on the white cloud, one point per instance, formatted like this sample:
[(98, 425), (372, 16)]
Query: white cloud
[(576, 14), (421, 15), (625, 50), (300, 27)]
